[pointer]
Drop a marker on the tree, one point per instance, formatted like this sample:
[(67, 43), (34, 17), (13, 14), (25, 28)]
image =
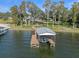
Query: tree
[(22, 11), (47, 6), (74, 11), (34, 10), (14, 12), (53, 11), (60, 8), (23, 8)]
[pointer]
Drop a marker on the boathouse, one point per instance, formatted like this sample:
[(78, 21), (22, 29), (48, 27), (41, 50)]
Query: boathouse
[(45, 35), (3, 28)]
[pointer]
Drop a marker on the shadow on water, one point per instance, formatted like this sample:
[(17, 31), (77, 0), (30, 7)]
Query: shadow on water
[(17, 44)]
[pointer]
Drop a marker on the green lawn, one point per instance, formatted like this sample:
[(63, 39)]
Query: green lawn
[(56, 28), (5, 21)]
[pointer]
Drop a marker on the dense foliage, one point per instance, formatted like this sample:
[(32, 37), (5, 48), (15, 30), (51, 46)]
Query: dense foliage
[(55, 12)]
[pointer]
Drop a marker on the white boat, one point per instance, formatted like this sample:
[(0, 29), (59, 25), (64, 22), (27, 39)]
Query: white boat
[(3, 28)]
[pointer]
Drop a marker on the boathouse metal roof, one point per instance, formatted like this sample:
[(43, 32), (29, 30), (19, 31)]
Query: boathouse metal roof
[(45, 31)]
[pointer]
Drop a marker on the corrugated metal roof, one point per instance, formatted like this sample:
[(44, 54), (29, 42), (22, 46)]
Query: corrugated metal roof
[(45, 31)]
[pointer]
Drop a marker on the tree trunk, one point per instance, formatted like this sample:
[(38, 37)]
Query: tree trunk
[(58, 19), (73, 25), (47, 18)]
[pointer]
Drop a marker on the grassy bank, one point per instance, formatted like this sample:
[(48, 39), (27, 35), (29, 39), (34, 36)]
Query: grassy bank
[(60, 28), (56, 28), (5, 21), (14, 27)]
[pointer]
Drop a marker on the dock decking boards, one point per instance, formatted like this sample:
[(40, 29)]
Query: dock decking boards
[(34, 40)]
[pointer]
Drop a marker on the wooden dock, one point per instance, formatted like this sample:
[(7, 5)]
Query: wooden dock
[(34, 40)]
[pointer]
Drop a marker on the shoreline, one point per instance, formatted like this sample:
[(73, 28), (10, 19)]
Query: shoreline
[(59, 29), (20, 29), (56, 28)]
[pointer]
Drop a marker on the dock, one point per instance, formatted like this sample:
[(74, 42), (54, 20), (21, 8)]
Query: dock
[(34, 40), (45, 33)]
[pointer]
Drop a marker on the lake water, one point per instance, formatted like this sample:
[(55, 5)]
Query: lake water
[(17, 44)]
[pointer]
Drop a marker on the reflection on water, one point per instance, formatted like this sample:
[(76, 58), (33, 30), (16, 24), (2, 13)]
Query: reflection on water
[(17, 44), (67, 45), (46, 52)]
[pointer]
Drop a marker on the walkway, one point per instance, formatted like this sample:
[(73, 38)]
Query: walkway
[(34, 41)]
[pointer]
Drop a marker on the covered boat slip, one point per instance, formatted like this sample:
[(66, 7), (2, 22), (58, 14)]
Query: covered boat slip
[(4, 25), (45, 31), (45, 35), (3, 31), (3, 28)]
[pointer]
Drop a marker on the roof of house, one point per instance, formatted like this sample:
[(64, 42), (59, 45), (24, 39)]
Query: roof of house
[(45, 31)]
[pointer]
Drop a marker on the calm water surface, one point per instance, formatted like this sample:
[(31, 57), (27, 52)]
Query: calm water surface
[(17, 44)]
